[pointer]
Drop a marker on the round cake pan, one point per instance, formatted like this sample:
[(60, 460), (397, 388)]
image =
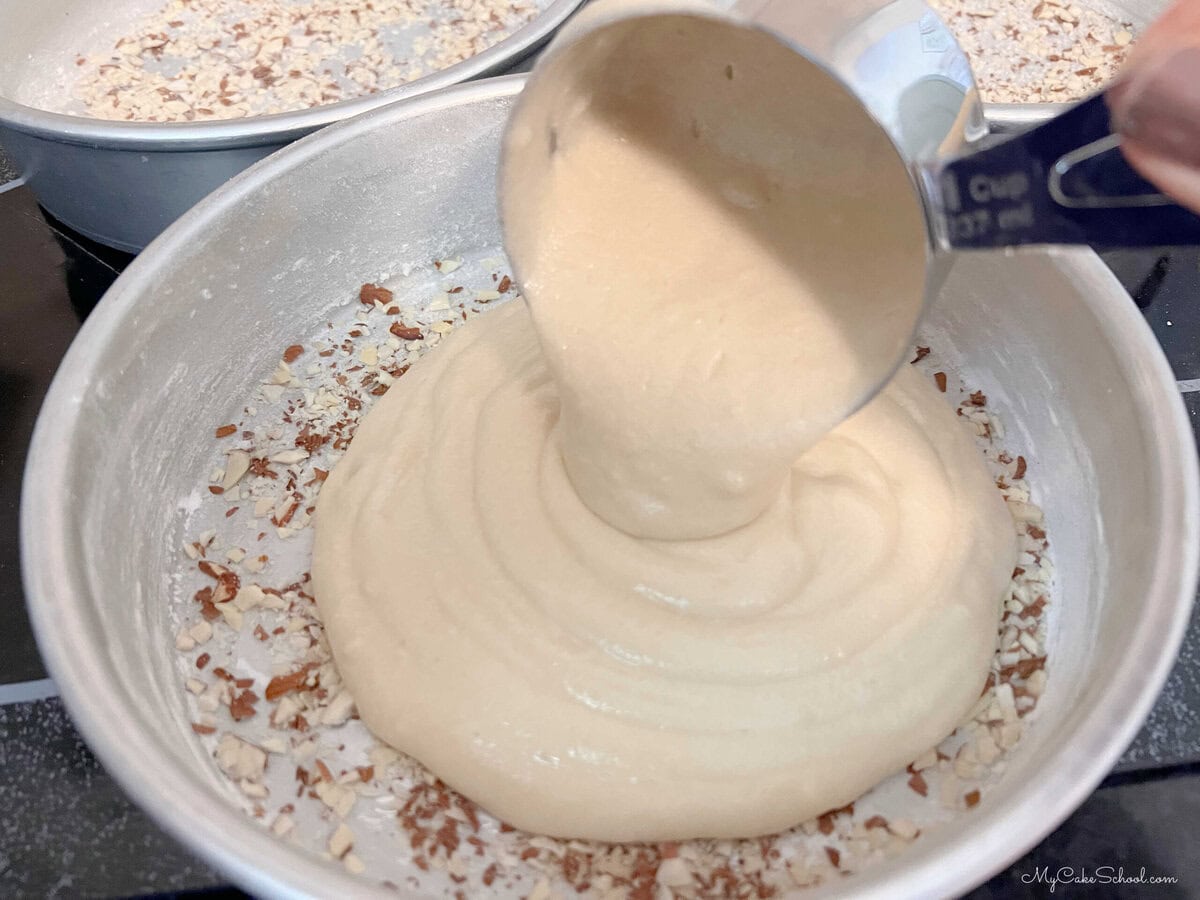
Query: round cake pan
[(179, 343), (1007, 118), (122, 183)]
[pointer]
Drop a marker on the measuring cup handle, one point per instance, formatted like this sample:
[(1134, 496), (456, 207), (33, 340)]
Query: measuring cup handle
[(1062, 182)]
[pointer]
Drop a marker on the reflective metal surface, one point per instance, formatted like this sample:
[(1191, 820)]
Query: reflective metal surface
[(1064, 357), (122, 183), (897, 56)]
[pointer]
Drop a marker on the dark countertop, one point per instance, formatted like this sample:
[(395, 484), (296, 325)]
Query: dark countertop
[(67, 830)]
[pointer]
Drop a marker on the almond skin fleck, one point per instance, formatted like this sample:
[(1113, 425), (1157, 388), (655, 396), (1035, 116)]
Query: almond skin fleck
[(368, 294), (242, 706), (917, 783), (285, 684), (405, 333)]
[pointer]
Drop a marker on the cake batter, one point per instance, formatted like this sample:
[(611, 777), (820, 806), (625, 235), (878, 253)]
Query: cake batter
[(605, 561)]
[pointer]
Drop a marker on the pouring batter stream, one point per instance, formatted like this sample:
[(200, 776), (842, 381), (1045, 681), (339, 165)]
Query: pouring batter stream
[(606, 561)]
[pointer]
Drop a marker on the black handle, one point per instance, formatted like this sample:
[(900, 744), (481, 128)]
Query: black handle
[(1062, 182)]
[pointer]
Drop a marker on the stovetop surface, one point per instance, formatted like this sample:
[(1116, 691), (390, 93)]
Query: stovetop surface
[(67, 830)]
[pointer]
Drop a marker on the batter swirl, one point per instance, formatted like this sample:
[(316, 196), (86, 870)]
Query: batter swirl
[(612, 569)]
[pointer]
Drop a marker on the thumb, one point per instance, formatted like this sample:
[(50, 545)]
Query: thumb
[(1155, 105)]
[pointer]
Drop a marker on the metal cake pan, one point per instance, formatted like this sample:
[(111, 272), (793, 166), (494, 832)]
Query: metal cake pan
[(121, 183), (1013, 117), (1065, 358)]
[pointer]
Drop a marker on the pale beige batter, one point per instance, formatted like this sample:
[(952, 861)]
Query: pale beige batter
[(816, 620), (722, 252)]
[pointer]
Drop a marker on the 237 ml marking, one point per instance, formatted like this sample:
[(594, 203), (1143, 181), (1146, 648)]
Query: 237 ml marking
[(968, 225), (979, 223)]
